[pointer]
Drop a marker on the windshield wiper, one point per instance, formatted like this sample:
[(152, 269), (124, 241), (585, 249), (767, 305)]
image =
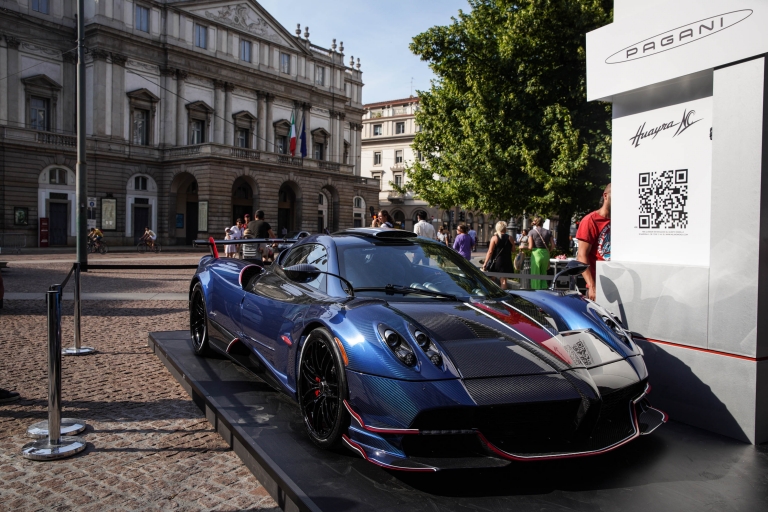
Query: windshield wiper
[(406, 290)]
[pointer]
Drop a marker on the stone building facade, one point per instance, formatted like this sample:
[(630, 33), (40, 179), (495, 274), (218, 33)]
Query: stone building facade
[(189, 109), (389, 128)]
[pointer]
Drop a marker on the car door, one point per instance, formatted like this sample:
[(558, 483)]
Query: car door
[(275, 305), (224, 308)]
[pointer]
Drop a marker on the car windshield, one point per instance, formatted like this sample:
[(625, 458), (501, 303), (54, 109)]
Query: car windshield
[(418, 265)]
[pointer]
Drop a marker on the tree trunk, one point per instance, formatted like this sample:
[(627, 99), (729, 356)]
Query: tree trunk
[(565, 215)]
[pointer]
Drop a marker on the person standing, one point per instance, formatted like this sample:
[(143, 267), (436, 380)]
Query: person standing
[(424, 228), (499, 256), (594, 238), (234, 233), (463, 242), (385, 220), (260, 228), (284, 232), (473, 235), (540, 243), (523, 239)]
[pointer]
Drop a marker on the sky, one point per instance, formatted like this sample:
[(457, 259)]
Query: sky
[(377, 32)]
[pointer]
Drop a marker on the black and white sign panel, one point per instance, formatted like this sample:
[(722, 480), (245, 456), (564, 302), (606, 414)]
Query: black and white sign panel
[(661, 185)]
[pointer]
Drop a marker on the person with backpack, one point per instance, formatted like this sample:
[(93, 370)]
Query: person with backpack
[(499, 256)]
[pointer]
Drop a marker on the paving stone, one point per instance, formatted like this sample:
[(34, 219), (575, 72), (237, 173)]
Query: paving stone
[(149, 446)]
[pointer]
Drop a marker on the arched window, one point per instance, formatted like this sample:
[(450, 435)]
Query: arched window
[(243, 191), (320, 199), (399, 218)]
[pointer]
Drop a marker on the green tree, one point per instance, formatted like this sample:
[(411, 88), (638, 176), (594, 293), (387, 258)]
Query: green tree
[(506, 126)]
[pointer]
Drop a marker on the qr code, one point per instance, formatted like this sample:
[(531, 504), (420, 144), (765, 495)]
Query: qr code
[(663, 199)]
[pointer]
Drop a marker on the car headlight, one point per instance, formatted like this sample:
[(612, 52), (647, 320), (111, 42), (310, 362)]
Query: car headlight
[(397, 345)]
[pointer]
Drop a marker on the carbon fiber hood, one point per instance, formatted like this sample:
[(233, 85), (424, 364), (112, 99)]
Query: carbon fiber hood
[(482, 346)]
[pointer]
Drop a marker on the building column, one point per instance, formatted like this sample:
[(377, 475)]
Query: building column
[(181, 118), (270, 127), (168, 103), (229, 127), (340, 140), (358, 150), (68, 93), (100, 85), (218, 112), (307, 118), (261, 114), (14, 83), (118, 97)]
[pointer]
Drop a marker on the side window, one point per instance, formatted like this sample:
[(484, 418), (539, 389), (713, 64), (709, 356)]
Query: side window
[(296, 256), (310, 254)]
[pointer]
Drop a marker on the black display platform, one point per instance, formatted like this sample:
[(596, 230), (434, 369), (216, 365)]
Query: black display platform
[(677, 468)]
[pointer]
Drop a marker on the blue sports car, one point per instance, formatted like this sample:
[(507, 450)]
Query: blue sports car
[(402, 350)]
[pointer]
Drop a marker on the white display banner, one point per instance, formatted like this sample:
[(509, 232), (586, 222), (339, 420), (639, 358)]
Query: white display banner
[(661, 185), (671, 40)]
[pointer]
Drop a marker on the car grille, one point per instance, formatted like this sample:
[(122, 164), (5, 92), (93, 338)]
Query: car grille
[(528, 429)]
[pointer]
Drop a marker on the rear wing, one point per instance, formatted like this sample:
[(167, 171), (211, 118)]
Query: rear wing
[(211, 243)]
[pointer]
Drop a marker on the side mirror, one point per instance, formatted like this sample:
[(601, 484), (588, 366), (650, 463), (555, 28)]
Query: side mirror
[(302, 273), (573, 269)]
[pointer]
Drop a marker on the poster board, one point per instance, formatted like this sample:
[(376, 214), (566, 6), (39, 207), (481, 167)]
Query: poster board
[(661, 185)]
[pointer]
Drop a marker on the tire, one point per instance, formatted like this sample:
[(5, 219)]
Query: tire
[(157, 247), (103, 249), (321, 390), (198, 322), (142, 247)]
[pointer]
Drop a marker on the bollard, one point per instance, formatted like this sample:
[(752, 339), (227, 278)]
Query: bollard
[(54, 446), (77, 350)]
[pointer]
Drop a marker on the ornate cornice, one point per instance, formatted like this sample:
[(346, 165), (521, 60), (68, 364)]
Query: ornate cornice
[(118, 59), (12, 42), (181, 74), (69, 57), (98, 53), (229, 87)]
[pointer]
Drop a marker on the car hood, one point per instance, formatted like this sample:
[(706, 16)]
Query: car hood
[(491, 338)]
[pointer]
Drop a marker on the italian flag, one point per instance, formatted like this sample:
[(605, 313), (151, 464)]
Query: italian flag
[(293, 134)]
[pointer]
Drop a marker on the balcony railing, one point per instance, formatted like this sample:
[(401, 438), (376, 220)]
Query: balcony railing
[(328, 166), (289, 160), (56, 139), (247, 154), (32, 139)]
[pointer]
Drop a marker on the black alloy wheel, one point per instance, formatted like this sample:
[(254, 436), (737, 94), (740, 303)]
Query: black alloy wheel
[(322, 388), (198, 321), (142, 247)]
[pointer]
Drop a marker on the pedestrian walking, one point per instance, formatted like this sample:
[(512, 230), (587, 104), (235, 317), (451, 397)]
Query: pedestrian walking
[(441, 235), (540, 243), (499, 256), (424, 228), (594, 238), (473, 234), (385, 220), (234, 233), (463, 242)]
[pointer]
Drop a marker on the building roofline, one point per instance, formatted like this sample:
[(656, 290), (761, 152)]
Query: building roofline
[(412, 99)]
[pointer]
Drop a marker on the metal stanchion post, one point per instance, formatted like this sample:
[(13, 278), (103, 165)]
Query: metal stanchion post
[(77, 350), (54, 446)]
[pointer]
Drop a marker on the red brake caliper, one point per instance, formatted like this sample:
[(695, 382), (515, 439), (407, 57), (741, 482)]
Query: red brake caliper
[(317, 391)]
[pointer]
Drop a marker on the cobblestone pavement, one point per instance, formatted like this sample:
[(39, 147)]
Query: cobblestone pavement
[(149, 446)]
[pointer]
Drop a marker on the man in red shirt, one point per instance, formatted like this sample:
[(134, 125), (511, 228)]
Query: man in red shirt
[(594, 236)]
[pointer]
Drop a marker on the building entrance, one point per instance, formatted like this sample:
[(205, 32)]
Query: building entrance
[(58, 223)]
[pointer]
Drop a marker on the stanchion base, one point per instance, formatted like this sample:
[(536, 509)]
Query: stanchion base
[(69, 427), (43, 450), (82, 351)]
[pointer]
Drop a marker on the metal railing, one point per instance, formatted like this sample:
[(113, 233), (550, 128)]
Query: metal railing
[(56, 435), (13, 241)]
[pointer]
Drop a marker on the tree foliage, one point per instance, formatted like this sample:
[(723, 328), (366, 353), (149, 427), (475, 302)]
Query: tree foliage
[(505, 126)]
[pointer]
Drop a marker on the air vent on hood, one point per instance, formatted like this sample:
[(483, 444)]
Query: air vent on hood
[(455, 328)]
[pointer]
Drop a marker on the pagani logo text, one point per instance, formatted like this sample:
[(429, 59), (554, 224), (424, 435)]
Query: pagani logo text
[(679, 36), (686, 122)]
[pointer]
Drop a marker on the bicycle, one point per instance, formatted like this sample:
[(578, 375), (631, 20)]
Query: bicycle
[(144, 247), (100, 247)]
